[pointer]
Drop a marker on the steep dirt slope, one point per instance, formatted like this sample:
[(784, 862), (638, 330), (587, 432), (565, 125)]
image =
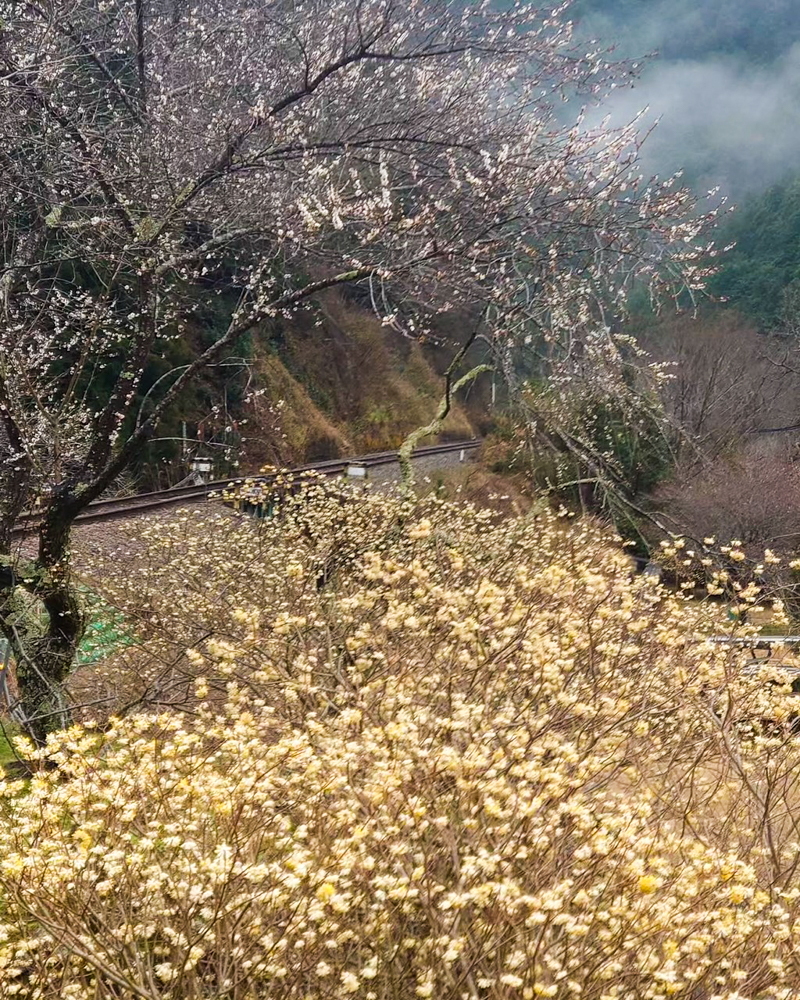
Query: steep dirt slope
[(335, 381)]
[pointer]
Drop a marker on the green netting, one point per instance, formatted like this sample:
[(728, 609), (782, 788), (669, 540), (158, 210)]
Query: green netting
[(106, 630)]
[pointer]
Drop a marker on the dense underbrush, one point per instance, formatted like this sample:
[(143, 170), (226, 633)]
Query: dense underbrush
[(414, 749)]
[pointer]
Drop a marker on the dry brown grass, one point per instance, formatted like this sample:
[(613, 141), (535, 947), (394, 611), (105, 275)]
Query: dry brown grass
[(473, 483), (342, 383)]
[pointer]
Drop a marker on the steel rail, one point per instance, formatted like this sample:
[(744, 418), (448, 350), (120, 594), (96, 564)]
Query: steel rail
[(122, 507)]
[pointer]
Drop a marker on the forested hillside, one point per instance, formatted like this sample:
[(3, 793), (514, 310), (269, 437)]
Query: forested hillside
[(761, 274)]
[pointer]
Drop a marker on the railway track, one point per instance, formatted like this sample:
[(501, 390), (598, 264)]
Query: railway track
[(144, 503)]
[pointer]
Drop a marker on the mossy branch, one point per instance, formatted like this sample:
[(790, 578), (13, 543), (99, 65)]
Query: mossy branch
[(407, 447)]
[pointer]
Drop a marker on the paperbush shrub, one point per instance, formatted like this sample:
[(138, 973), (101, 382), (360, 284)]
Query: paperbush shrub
[(427, 752)]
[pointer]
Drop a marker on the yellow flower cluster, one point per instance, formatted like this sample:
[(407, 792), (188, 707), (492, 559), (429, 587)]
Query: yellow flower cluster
[(425, 751)]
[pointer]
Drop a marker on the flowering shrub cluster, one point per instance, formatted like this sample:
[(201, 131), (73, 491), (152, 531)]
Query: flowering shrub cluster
[(428, 752)]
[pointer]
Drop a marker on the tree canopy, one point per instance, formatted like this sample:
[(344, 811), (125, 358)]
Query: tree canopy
[(263, 151)]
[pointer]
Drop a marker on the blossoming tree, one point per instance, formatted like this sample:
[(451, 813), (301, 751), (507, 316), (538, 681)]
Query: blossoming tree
[(146, 145)]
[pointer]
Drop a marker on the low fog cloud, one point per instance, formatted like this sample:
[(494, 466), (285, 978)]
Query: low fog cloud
[(726, 86)]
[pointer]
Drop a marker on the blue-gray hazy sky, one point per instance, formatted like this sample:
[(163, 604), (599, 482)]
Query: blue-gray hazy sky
[(726, 84)]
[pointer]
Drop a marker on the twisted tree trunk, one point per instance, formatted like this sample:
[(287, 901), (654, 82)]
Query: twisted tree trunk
[(42, 621)]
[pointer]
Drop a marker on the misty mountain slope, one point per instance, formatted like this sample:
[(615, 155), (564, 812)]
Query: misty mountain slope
[(756, 30), (725, 85)]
